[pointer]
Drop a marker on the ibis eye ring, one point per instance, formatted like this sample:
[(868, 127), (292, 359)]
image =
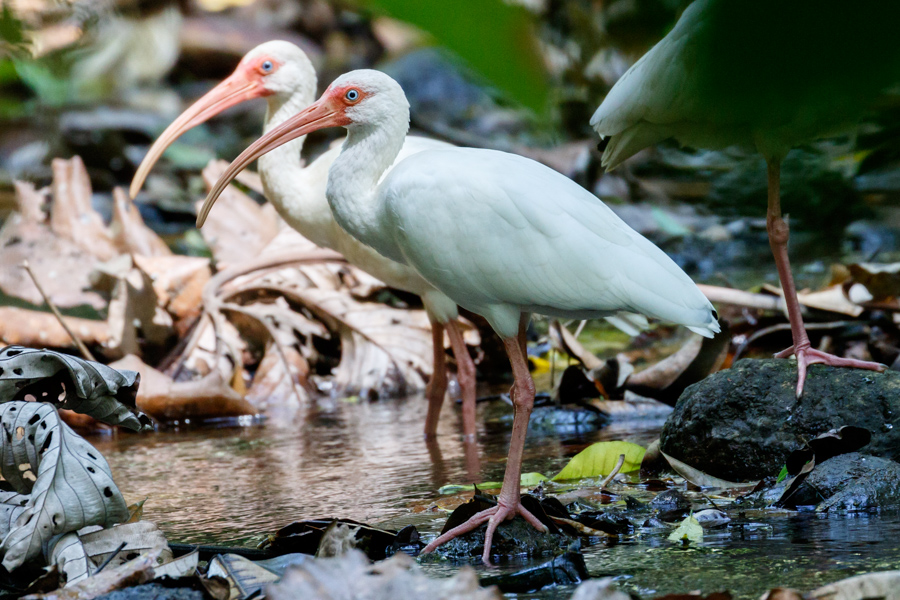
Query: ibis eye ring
[(267, 66), (352, 95)]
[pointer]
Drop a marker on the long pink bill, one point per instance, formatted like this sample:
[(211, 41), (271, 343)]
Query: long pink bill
[(318, 115), (237, 88)]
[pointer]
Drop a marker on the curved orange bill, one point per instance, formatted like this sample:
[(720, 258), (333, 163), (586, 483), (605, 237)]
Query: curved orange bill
[(235, 89), (319, 115)]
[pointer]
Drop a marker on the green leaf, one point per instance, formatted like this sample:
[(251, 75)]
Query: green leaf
[(600, 459), (526, 480), (783, 475), (688, 531), (493, 37)]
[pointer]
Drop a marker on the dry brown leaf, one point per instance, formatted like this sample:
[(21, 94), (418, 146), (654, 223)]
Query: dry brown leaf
[(72, 216), (239, 228), (23, 327), (165, 399), (884, 585), (178, 282), (129, 232), (280, 381), (63, 268), (701, 479)]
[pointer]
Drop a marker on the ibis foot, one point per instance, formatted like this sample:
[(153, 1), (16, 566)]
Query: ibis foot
[(493, 516), (807, 356)]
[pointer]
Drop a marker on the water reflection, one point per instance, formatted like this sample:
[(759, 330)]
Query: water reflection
[(369, 461)]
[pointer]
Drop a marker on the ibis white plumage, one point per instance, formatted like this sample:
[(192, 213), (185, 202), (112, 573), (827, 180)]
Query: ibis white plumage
[(501, 235), (281, 73), (764, 74)]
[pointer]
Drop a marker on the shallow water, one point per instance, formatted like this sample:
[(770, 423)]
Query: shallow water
[(368, 461)]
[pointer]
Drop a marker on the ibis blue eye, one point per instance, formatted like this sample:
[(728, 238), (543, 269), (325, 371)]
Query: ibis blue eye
[(352, 95), (267, 66)]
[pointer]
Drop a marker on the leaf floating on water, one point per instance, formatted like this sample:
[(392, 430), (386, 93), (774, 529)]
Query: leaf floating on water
[(687, 531), (61, 482), (600, 459), (83, 386), (527, 480)]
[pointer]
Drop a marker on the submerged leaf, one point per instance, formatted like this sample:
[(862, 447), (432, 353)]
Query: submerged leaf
[(527, 480), (83, 386), (600, 459), (688, 530), (72, 488)]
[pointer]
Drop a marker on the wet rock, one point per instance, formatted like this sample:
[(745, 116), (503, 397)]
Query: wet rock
[(742, 423), (669, 501), (565, 569), (851, 482), (153, 591), (512, 538)]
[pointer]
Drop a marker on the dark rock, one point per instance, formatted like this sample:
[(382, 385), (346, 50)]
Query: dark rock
[(742, 423), (566, 569), (153, 591), (512, 538), (851, 482)]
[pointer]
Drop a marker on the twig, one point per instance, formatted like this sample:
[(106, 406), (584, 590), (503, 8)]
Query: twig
[(110, 557), (78, 343), (614, 472)]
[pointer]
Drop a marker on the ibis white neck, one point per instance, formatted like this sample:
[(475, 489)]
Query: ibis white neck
[(368, 152), (288, 186)]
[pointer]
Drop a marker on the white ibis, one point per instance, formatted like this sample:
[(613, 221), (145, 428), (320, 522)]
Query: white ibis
[(281, 72), (765, 74), (502, 235)]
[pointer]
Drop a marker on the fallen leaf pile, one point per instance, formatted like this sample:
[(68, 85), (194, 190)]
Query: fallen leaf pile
[(269, 322)]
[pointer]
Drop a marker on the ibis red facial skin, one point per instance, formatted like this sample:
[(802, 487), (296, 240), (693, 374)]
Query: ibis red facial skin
[(763, 74), (281, 73), (502, 235)]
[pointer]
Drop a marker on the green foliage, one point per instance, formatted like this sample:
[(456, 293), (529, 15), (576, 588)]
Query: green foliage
[(600, 459), (494, 38), (782, 475)]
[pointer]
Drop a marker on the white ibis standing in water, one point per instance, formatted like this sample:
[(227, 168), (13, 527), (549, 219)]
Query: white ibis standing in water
[(502, 235), (765, 74), (281, 72)]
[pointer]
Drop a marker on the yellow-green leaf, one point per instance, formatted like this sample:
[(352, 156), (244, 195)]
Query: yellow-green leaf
[(600, 459), (688, 531), (526, 480)]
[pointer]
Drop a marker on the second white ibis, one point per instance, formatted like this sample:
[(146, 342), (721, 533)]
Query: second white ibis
[(502, 235)]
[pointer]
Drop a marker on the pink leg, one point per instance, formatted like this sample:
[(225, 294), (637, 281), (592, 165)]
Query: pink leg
[(509, 502), (778, 239), (465, 374), (437, 387)]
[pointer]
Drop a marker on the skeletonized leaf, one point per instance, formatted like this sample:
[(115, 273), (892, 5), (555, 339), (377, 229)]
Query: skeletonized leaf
[(73, 487), (688, 530), (83, 386), (600, 459), (699, 478)]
